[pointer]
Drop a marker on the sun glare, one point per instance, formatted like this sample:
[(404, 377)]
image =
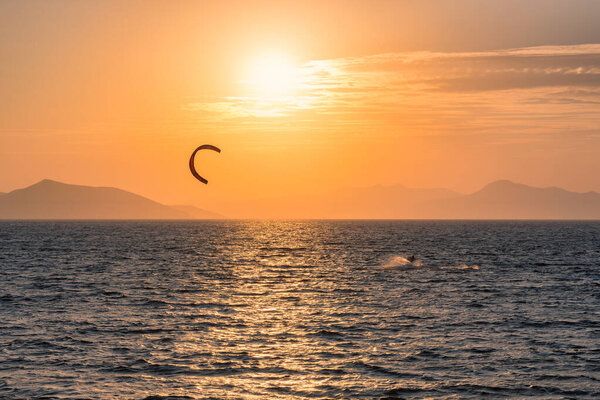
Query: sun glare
[(273, 75)]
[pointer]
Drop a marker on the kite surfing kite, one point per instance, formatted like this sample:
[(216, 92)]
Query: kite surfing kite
[(193, 169)]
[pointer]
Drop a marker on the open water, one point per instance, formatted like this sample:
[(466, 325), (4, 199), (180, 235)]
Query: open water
[(299, 310)]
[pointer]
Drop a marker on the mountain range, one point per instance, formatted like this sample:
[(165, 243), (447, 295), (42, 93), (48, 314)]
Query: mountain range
[(498, 200), (502, 199), (49, 199)]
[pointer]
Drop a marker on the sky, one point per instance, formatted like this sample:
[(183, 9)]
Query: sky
[(302, 97)]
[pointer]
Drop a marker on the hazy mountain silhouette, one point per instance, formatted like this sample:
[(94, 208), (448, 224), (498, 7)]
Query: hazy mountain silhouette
[(197, 213), (49, 199), (507, 200), (498, 200), (376, 202)]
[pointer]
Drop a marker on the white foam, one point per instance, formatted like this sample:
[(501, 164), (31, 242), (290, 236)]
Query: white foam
[(463, 266), (400, 261)]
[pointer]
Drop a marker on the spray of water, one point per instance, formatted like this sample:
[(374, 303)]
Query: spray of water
[(402, 262)]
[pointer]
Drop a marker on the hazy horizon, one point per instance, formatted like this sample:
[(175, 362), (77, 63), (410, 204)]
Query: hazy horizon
[(502, 199), (329, 191)]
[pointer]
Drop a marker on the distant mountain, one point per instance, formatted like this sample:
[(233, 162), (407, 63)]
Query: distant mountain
[(507, 200), (376, 202), (55, 200), (497, 200), (197, 213)]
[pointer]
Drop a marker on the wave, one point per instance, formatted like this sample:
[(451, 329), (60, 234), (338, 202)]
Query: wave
[(401, 262), (462, 267)]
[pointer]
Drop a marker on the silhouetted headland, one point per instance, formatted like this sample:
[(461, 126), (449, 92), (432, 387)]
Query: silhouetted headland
[(49, 199)]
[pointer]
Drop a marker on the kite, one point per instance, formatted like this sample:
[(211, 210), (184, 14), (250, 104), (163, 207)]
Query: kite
[(193, 169)]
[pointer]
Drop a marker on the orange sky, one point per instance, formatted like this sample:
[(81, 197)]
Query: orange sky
[(302, 97)]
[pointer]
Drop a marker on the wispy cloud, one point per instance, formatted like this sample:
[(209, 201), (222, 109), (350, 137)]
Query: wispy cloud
[(537, 89)]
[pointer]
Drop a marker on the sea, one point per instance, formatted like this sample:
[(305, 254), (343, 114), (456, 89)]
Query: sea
[(299, 309)]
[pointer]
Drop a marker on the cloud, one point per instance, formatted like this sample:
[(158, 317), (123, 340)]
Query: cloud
[(536, 89), (507, 69)]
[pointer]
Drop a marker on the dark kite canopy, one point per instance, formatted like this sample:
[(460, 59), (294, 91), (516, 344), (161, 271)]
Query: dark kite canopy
[(193, 168)]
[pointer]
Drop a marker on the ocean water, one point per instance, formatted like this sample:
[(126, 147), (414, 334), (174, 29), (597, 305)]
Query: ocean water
[(299, 310)]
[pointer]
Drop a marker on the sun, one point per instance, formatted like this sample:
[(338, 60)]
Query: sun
[(273, 75)]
